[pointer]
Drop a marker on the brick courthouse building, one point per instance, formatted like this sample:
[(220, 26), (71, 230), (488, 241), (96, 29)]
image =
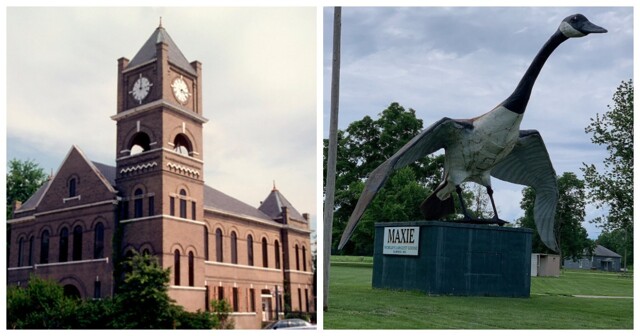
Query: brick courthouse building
[(155, 201)]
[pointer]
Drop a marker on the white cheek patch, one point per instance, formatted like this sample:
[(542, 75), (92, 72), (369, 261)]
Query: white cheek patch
[(569, 31)]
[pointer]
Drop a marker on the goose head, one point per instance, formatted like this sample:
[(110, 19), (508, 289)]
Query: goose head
[(578, 25)]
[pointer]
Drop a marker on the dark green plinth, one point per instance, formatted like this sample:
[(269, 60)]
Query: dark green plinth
[(458, 259)]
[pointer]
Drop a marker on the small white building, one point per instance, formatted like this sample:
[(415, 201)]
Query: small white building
[(545, 264)]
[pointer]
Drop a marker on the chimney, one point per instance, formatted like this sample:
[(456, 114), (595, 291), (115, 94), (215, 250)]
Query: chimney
[(306, 216), (16, 206)]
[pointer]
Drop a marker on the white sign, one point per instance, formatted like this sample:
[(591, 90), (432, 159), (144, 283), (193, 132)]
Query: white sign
[(401, 240)]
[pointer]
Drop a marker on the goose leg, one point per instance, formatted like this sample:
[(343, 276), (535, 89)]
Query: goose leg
[(495, 211), (462, 205)]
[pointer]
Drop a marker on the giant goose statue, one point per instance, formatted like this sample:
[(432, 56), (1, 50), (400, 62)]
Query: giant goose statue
[(491, 144)]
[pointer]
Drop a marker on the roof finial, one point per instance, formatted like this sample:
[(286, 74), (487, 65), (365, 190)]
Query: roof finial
[(274, 186), (160, 26)]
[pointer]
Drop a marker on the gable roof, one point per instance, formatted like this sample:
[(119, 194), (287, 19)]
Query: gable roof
[(148, 52), (108, 172), (272, 206), (32, 202), (602, 251)]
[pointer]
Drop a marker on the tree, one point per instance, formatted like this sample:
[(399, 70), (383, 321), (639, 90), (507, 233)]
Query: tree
[(613, 187), (23, 179), (39, 305), (362, 147), (572, 238)]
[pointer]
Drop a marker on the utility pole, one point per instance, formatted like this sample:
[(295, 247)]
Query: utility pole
[(330, 181)]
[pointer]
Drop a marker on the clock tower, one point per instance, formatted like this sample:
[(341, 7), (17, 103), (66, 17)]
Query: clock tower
[(159, 160)]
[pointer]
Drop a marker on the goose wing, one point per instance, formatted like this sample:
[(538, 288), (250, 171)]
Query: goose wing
[(529, 164), (435, 137)]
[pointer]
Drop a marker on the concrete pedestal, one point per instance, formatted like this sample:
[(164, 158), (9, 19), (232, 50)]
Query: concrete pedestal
[(453, 259)]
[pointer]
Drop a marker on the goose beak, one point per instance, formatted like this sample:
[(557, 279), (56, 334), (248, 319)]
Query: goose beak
[(590, 28)]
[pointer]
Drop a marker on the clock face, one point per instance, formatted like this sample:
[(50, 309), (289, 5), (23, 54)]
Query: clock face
[(141, 88), (180, 90)]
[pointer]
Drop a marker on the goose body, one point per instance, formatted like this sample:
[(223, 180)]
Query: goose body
[(491, 144)]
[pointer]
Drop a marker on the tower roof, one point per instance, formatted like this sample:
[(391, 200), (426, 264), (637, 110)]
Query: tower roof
[(273, 204), (148, 51)]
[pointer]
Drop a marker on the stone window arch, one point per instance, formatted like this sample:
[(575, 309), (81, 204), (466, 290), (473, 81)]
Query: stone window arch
[(183, 203)]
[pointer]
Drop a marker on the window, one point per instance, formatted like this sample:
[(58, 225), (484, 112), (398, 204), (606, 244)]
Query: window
[(137, 203), (193, 210), (206, 243), (220, 293), (300, 299), (64, 245), (265, 253), (304, 258), (297, 259), (152, 209), (30, 260), (182, 145), (235, 299), (140, 143), (250, 250), (77, 243), (191, 271), (276, 247), (172, 206), (124, 210), (306, 298), (72, 187), (234, 248), (20, 248), (183, 204), (219, 257), (44, 247), (176, 268), (252, 299), (97, 291), (98, 242)]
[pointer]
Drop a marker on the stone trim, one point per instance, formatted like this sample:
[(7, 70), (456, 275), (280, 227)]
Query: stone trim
[(191, 288), (257, 268), (73, 262)]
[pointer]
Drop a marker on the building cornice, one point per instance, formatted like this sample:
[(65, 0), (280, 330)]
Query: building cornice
[(255, 268), (155, 104)]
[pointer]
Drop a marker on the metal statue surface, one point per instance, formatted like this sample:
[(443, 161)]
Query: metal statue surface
[(491, 144)]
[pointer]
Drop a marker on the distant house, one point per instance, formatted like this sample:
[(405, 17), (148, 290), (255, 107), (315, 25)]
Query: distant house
[(602, 259)]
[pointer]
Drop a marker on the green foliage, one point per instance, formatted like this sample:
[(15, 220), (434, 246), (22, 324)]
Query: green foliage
[(23, 179), (570, 235), (40, 305), (612, 187), (222, 310), (362, 147), (141, 303)]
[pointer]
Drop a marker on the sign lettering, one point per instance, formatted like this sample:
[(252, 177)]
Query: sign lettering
[(401, 240)]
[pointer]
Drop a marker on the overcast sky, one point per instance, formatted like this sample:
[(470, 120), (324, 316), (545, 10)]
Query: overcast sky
[(259, 89), (461, 62)]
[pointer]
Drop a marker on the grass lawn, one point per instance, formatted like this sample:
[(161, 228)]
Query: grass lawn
[(353, 304)]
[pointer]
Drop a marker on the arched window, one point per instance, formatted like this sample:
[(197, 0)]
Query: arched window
[(20, 249), (219, 257), (71, 291), (234, 248), (183, 203), (98, 242), (191, 272), (137, 203), (265, 253), (182, 145), (77, 243), (297, 259), (276, 248), (64, 245), (176, 267), (30, 260), (44, 247), (140, 143), (72, 187), (304, 258), (250, 250), (206, 243)]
